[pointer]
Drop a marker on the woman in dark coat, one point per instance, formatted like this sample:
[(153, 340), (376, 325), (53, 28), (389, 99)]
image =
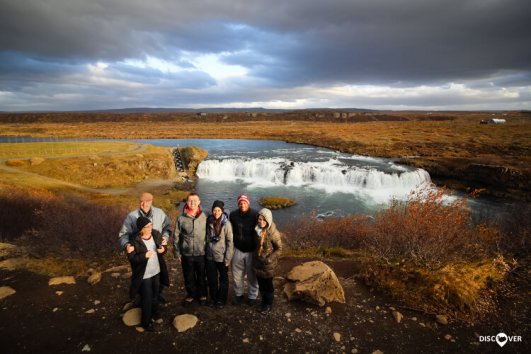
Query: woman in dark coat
[(149, 269), (265, 260)]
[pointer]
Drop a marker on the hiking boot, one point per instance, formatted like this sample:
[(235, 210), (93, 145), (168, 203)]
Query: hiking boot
[(251, 302), (220, 305), (237, 300), (149, 328), (265, 309), (188, 301)]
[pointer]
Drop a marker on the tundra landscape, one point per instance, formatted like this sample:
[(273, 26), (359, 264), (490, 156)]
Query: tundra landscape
[(421, 273), (389, 142)]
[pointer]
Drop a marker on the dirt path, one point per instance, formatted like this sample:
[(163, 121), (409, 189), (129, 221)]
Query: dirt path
[(36, 319)]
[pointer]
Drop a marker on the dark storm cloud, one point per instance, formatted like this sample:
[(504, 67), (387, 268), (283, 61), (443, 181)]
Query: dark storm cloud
[(281, 44)]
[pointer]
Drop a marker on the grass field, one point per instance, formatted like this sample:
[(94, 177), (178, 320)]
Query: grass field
[(66, 148)]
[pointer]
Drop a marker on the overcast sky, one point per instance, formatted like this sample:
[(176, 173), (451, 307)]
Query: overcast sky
[(378, 54)]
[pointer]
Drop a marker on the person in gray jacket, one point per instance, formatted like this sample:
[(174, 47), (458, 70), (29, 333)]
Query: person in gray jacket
[(219, 251), (158, 219), (189, 248)]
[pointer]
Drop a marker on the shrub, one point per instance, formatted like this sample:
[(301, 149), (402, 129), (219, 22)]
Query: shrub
[(428, 230), (51, 225), (309, 232), (462, 290), (17, 208), (516, 231), (15, 163), (424, 251), (276, 202)]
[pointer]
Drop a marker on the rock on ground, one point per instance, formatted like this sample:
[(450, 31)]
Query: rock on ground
[(442, 319), (314, 282), (62, 280), (184, 322), (398, 316), (132, 317), (6, 291), (94, 278)]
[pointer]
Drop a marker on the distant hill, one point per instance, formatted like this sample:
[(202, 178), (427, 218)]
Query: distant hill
[(220, 110)]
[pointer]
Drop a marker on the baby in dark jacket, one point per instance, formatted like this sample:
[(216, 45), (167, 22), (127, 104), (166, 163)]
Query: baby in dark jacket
[(149, 269)]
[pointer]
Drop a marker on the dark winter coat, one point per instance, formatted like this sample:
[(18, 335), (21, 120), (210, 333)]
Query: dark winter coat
[(243, 229), (138, 261)]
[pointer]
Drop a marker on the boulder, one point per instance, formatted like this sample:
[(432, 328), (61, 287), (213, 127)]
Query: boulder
[(62, 280), (94, 278), (6, 291), (132, 317), (442, 319), (314, 282), (128, 306), (184, 322), (398, 316)]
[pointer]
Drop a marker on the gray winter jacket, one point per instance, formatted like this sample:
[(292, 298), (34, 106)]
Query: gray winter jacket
[(222, 249), (158, 219), (190, 235)]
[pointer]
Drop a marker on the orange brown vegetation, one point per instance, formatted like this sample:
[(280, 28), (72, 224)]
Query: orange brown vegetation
[(52, 225), (15, 163), (426, 252)]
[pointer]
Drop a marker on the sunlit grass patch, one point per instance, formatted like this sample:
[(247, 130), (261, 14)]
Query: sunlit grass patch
[(276, 202), (65, 148), (109, 171), (53, 266)]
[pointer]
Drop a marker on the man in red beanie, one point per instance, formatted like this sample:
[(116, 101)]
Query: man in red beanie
[(243, 222)]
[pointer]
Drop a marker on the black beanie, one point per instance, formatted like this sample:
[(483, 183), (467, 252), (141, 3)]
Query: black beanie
[(141, 222), (218, 204)]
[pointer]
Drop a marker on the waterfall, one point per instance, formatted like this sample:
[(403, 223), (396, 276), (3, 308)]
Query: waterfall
[(332, 175)]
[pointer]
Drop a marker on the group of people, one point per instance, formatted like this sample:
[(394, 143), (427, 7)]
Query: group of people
[(205, 246)]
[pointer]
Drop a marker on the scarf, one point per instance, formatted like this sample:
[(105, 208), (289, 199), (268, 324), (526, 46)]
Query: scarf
[(263, 236), (186, 209)]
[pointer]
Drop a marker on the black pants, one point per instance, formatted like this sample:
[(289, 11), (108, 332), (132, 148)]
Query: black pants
[(267, 292), (218, 280), (194, 276), (149, 291)]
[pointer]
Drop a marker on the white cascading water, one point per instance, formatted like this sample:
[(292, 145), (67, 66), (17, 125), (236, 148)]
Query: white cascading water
[(332, 176)]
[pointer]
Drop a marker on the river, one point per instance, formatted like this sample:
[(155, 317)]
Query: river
[(321, 181)]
